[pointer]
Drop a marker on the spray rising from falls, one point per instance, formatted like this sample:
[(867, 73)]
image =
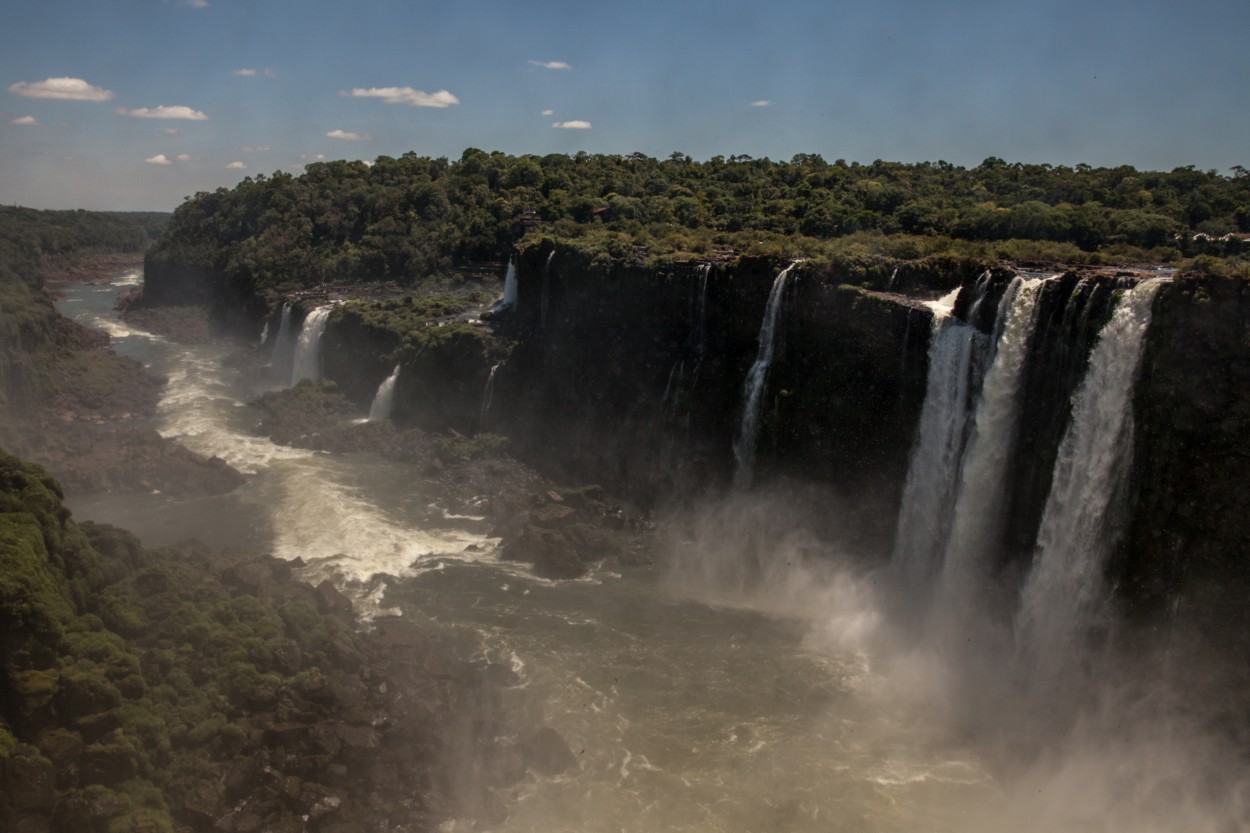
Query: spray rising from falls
[(929, 492), (753, 391), (384, 399), (308, 348), (1063, 596)]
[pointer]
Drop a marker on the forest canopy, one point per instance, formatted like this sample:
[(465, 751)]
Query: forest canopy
[(407, 218)]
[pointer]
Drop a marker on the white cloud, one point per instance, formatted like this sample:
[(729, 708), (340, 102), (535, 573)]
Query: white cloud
[(247, 72), (176, 111), (194, 4), (551, 64), (575, 124), (158, 159), (368, 163), (236, 166), (172, 132), (406, 95), (349, 136), (763, 102), (184, 157), (254, 149), (67, 89), (250, 73), (548, 112), (25, 120)]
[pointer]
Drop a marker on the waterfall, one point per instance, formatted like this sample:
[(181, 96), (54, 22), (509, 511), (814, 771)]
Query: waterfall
[(1063, 596), (544, 301), (700, 312), (488, 396), (669, 403), (264, 334), (283, 345), (508, 301), (308, 348), (384, 399), (889, 287), (980, 507), (932, 475), (753, 391)]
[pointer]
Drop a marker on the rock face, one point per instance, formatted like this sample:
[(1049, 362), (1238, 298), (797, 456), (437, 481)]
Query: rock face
[(1191, 526)]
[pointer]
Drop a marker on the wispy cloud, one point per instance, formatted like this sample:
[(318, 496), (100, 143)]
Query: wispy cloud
[(172, 132), (184, 157), (66, 89), (158, 159), (548, 112), (551, 64), (406, 95), (349, 136), (254, 149), (236, 166), (575, 124), (251, 73), (763, 102), (176, 111), (194, 4), (25, 120)]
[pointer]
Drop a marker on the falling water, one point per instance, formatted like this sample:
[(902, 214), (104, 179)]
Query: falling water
[(979, 507), (1063, 595), (753, 391), (384, 399), (929, 493), (488, 396), (264, 334), (677, 374), (509, 289), (283, 345), (308, 348), (700, 311), (545, 301)]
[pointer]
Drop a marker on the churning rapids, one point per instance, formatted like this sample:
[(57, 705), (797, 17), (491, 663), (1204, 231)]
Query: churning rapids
[(746, 682)]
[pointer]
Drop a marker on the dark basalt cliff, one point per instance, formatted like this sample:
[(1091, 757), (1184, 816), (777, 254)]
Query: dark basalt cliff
[(633, 376)]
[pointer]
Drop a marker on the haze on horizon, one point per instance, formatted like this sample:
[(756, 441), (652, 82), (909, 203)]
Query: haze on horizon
[(139, 104)]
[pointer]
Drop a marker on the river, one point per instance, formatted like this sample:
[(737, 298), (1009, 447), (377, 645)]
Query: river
[(693, 703)]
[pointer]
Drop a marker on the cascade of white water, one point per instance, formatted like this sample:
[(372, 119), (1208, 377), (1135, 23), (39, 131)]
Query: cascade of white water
[(1064, 594), (264, 334), (509, 289), (384, 399), (283, 345), (753, 390), (488, 396), (928, 494), (677, 373), (544, 300), (308, 347), (700, 312), (979, 507)]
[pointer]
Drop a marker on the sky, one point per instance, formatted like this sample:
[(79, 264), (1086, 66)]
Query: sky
[(138, 104)]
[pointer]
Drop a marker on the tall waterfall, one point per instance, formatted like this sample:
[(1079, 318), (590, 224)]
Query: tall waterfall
[(283, 345), (544, 302), (980, 507), (488, 396), (1063, 596), (384, 399), (932, 477), (509, 289), (308, 348), (264, 334), (753, 391)]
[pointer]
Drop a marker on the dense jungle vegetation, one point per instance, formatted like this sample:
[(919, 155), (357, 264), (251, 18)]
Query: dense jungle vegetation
[(407, 218), (32, 240)]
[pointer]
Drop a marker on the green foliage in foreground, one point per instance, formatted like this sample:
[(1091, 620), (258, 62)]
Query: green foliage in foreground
[(130, 673), (409, 218)]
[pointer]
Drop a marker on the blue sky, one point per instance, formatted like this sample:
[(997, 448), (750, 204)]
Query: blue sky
[(136, 104)]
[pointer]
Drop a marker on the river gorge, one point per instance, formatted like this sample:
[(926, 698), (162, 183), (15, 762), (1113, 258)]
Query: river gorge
[(907, 557)]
